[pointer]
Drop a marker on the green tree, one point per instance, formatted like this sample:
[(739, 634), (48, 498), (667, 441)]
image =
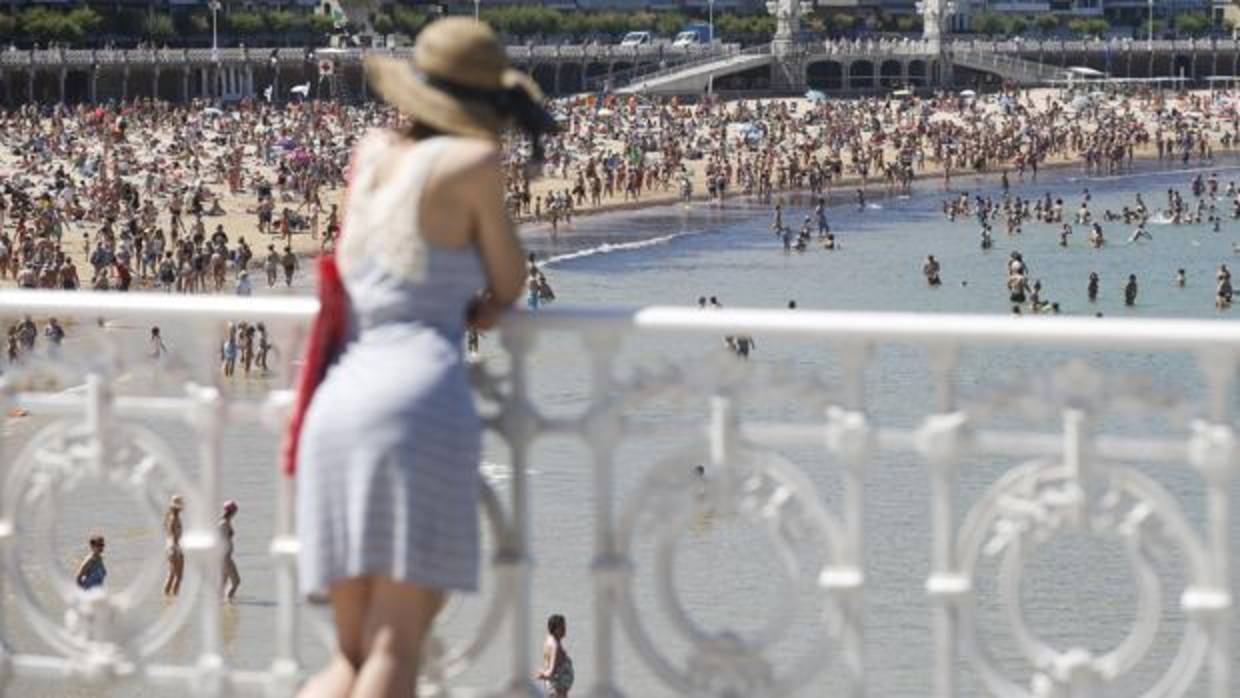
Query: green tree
[(1016, 26), (1047, 23), (408, 20), (38, 23), (86, 19), (669, 23), (191, 23), (842, 21), (989, 23), (1191, 24), (383, 23), (8, 26), (909, 23), (320, 25), (159, 27), (1097, 26), (245, 22), (283, 22)]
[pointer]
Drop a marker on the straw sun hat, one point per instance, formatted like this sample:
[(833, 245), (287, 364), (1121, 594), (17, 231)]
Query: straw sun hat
[(460, 82)]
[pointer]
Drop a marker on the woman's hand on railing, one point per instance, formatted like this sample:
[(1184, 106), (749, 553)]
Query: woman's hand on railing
[(484, 311)]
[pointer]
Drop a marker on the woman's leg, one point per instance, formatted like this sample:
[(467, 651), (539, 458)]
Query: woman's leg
[(349, 599), (398, 620)]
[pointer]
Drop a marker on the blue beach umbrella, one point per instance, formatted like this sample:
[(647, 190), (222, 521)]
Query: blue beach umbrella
[(816, 96)]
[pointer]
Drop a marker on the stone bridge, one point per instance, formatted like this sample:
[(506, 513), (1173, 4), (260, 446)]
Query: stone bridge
[(865, 65), (74, 76)]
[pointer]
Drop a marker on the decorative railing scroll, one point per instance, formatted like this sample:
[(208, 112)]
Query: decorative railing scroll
[(1074, 477)]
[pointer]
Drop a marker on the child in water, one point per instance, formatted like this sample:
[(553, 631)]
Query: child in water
[(557, 666), (92, 571)]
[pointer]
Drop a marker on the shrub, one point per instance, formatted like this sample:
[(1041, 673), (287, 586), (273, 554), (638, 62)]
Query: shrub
[(1047, 22), (245, 22), (909, 23), (320, 24), (383, 23), (1192, 24), (989, 23), (159, 27), (283, 21), (86, 18)]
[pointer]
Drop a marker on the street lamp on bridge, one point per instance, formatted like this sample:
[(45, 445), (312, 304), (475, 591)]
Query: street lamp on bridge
[(215, 39), (710, 5), (1151, 25)]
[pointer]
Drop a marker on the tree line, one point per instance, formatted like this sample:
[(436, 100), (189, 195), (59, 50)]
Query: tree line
[(86, 26)]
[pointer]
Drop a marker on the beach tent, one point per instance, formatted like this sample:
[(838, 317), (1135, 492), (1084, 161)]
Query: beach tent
[(816, 96)]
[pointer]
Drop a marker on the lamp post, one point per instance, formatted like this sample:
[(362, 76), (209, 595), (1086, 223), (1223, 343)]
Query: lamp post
[(215, 39), (477, 10), (710, 5), (1151, 40)]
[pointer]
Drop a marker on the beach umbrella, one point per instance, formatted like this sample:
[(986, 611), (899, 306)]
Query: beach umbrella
[(968, 93), (212, 111), (816, 96)]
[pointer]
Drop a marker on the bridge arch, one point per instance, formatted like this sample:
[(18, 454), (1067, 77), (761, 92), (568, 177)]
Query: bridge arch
[(917, 73), (572, 78), (756, 78), (861, 75), (1183, 66), (891, 73), (545, 75), (825, 75)]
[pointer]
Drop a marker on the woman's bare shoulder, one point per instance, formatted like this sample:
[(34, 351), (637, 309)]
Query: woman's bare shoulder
[(468, 155)]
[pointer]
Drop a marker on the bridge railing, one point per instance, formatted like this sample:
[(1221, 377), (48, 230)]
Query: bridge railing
[(701, 56), (1073, 477)]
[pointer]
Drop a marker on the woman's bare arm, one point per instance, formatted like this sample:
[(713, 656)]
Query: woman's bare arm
[(502, 256)]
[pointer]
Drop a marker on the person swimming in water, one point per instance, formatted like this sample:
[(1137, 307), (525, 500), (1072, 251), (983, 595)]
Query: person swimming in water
[(1092, 289), (1130, 290), (1139, 234), (931, 269)]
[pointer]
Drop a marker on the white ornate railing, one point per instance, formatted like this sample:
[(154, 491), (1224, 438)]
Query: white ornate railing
[(1074, 478)]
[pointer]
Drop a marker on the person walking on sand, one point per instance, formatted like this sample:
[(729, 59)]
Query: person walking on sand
[(92, 571), (427, 245), (172, 545), (232, 579), (557, 669)]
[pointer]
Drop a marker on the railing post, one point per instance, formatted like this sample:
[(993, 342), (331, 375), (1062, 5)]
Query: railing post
[(940, 441), (520, 426), (604, 432), (204, 542), (1217, 462)]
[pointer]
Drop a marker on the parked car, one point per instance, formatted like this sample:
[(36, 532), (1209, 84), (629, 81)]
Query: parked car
[(637, 39), (692, 35)]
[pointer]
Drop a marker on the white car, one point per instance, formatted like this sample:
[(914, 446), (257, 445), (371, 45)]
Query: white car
[(637, 39), (687, 39)]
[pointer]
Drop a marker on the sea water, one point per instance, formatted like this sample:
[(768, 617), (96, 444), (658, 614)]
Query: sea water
[(1077, 591)]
